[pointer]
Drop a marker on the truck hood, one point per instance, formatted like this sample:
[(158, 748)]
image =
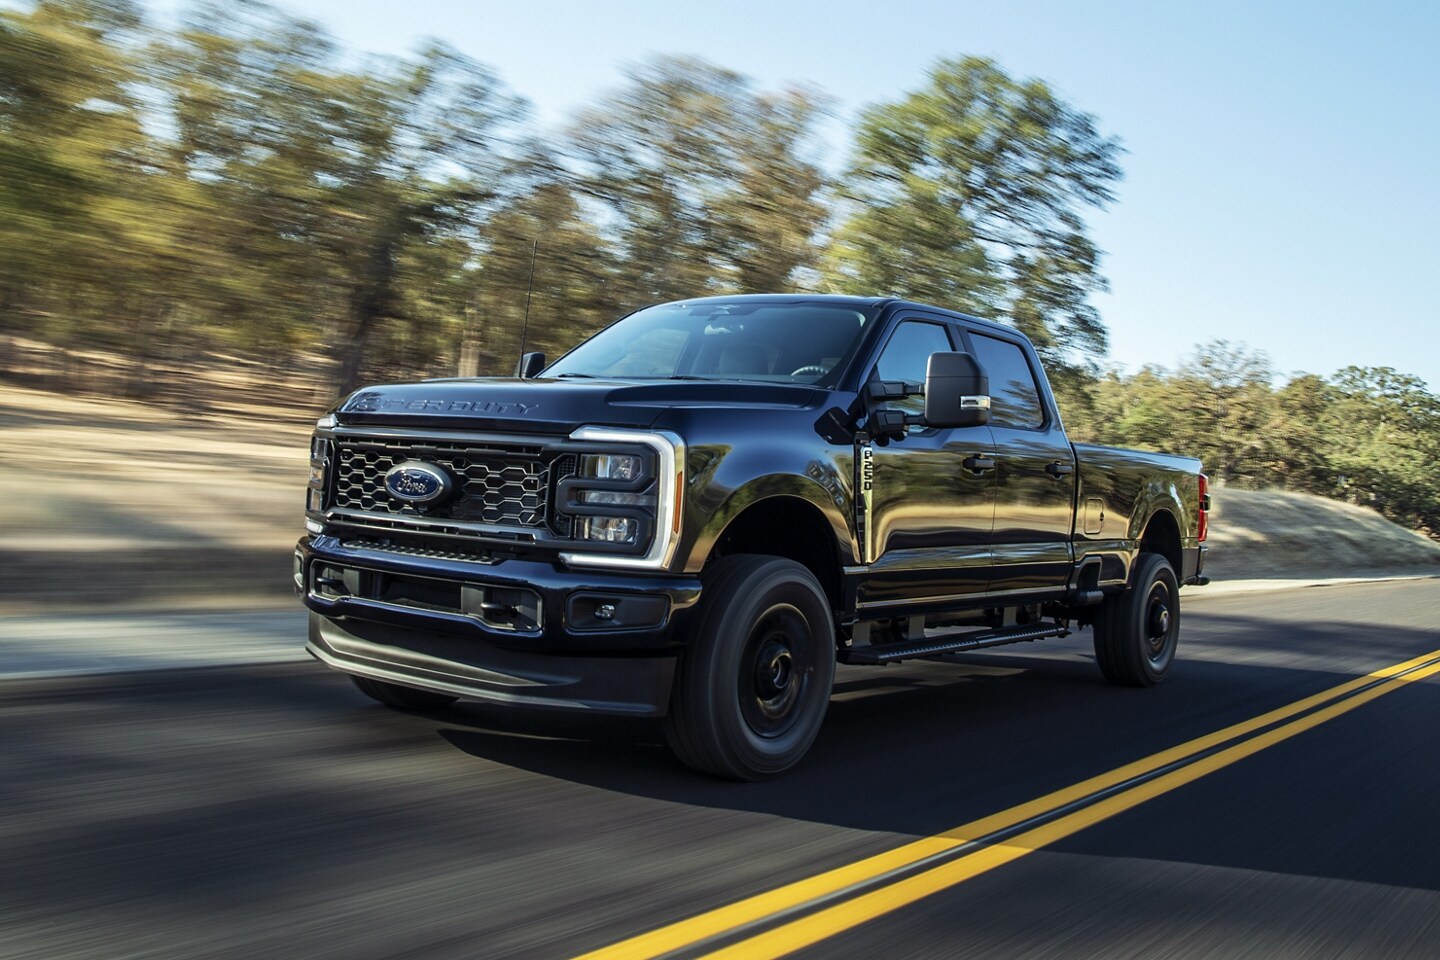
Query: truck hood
[(552, 405)]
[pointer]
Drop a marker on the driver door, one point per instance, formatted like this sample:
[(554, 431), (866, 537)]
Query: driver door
[(929, 517)]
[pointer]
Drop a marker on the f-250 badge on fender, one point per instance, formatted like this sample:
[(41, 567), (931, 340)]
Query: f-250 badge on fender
[(417, 483)]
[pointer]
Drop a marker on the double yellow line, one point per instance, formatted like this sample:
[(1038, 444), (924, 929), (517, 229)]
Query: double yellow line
[(877, 885)]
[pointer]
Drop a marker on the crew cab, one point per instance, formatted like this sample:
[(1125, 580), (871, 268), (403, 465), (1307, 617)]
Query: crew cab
[(701, 510)]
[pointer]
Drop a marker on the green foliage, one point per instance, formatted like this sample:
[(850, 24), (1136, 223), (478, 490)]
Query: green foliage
[(969, 193), (1369, 436), (706, 185), (1383, 429)]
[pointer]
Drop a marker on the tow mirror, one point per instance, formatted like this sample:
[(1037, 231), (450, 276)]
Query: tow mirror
[(530, 364), (957, 392)]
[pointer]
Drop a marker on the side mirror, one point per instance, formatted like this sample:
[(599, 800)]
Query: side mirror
[(530, 364), (957, 392)]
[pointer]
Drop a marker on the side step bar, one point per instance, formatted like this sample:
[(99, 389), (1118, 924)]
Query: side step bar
[(913, 649)]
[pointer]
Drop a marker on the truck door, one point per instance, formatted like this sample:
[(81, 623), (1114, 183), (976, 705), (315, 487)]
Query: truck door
[(929, 518), (1034, 477)]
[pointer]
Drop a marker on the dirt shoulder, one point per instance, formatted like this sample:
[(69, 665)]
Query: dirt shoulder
[(125, 503)]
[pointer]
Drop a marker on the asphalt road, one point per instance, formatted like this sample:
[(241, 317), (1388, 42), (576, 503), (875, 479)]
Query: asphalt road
[(272, 811)]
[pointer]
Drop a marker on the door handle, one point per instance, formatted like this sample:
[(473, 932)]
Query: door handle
[(978, 464), (1058, 469)]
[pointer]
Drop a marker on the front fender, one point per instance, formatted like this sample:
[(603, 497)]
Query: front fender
[(723, 483)]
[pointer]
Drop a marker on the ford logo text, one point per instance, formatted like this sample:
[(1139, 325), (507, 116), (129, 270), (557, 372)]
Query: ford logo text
[(417, 483)]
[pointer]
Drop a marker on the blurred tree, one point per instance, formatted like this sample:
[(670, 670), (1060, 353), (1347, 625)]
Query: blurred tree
[(333, 180), (543, 255), (707, 186), (424, 156), (252, 96), (1302, 448), (1134, 411), (1219, 406), (1224, 406), (82, 193), (1384, 431), (968, 193)]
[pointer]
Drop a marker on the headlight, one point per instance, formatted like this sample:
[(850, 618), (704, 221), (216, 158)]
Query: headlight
[(320, 459), (625, 504), (610, 466), (610, 498), (607, 529)]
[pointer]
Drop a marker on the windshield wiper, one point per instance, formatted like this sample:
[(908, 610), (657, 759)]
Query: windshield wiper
[(586, 376)]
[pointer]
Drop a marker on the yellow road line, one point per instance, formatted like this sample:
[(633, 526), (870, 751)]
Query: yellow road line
[(830, 921), (761, 906)]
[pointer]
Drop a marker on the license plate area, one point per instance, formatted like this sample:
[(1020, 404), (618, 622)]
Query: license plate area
[(510, 609)]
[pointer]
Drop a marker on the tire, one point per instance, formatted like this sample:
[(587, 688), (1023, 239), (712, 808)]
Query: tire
[(753, 683), (1136, 632), (401, 697)]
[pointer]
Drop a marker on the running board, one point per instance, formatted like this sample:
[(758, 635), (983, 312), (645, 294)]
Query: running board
[(912, 649)]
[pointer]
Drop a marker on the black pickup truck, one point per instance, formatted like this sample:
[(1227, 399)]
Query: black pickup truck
[(698, 512)]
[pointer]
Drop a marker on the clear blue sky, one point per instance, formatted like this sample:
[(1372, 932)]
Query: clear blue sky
[(1282, 165)]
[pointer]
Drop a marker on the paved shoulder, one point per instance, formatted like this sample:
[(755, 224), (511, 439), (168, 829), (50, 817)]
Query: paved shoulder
[(50, 645)]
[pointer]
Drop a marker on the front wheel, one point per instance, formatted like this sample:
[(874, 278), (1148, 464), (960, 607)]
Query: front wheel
[(1136, 632), (754, 681)]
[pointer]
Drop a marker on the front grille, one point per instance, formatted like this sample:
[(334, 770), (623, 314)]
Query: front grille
[(499, 485)]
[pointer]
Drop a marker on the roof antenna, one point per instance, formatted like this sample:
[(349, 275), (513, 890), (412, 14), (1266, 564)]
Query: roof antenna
[(525, 326)]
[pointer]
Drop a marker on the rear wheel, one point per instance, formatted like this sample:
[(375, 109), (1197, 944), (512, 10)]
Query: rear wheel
[(754, 681), (401, 697), (1136, 632)]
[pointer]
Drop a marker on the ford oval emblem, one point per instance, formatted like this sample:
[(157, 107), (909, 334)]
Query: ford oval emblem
[(417, 483)]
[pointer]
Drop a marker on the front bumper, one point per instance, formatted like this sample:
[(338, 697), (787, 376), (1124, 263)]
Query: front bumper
[(513, 631)]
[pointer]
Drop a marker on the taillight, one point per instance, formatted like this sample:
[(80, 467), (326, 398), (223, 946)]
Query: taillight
[(1204, 530)]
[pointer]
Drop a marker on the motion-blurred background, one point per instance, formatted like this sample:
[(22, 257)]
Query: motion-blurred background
[(213, 223)]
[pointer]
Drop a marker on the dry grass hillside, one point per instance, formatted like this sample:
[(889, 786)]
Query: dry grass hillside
[(114, 502), (1261, 534)]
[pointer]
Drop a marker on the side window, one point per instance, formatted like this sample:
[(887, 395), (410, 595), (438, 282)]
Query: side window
[(1014, 397), (907, 353)]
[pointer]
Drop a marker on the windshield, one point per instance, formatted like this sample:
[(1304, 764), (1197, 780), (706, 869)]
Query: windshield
[(798, 342)]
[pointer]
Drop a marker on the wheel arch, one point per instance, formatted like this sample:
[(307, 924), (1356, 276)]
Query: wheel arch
[(1162, 535), (789, 526)]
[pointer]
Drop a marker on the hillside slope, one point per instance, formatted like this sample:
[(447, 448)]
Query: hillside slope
[(1261, 534)]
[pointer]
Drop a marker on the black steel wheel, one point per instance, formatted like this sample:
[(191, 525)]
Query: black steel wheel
[(1136, 632), (753, 684), (401, 697)]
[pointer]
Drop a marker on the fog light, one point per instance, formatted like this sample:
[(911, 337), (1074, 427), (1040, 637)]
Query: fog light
[(607, 529)]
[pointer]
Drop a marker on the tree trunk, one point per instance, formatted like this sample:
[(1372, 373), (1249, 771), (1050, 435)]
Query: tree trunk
[(367, 305)]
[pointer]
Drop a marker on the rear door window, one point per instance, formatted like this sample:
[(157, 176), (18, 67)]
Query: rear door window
[(1014, 394)]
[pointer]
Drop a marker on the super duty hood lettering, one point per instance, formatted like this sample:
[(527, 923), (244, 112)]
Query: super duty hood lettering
[(371, 402)]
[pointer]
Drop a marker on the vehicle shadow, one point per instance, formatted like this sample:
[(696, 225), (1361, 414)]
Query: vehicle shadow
[(924, 747)]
